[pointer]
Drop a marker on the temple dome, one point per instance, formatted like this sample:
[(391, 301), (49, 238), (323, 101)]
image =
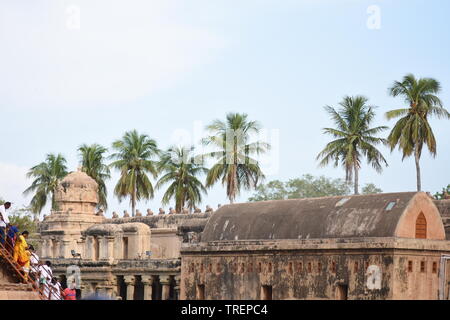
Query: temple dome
[(77, 193), (79, 179)]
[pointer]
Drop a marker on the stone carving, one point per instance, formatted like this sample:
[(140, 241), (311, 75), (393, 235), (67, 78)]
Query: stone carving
[(126, 214), (138, 213), (115, 215), (192, 237), (185, 211), (209, 209), (172, 210), (197, 210), (149, 212), (161, 211)]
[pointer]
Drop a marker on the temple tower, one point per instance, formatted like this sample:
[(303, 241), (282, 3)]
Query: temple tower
[(76, 200)]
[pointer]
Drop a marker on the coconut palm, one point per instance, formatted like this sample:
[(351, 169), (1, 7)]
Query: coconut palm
[(235, 166), (134, 158), (92, 163), (354, 138), (180, 168), (413, 130), (47, 176)]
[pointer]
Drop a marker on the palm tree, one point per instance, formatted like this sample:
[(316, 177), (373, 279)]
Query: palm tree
[(92, 163), (354, 138), (413, 130), (235, 166), (181, 169), (47, 176), (134, 158)]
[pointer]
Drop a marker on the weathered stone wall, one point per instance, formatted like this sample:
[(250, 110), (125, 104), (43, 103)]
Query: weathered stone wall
[(368, 269), (444, 209), (17, 292), (416, 276)]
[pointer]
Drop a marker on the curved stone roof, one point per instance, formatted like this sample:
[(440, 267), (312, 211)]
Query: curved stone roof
[(377, 215), (77, 187), (110, 229), (79, 179), (103, 230)]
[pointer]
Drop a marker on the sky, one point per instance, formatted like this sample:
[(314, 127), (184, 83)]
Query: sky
[(86, 71)]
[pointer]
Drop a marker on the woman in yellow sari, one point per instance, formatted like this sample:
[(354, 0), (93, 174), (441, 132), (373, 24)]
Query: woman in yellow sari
[(21, 253)]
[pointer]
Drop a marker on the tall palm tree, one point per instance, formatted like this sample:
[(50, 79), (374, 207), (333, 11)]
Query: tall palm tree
[(413, 130), (235, 166), (134, 158), (47, 176), (181, 169), (92, 163), (354, 138)]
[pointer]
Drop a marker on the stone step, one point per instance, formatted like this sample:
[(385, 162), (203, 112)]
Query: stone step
[(15, 287)]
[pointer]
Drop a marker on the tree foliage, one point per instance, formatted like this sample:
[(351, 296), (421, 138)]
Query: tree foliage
[(47, 176), (24, 219), (307, 186), (180, 170), (92, 163), (236, 167), (370, 188), (443, 194), (412, 131), (135, 159), (354, 138)]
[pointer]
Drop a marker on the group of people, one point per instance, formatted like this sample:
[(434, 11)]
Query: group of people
[(24, 255)]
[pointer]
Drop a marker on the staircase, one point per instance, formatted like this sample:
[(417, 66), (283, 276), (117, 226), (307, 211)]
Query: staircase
[(14, 284)]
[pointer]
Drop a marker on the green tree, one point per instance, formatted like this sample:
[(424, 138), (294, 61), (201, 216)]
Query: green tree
[(24, 219), (273, 190), (92, 163), (307, 186), (312, 187), (47, 176), (370, 188), (443, 194), (354, 138), (134, 158), (236, 167), (413, 130), (181, 170)]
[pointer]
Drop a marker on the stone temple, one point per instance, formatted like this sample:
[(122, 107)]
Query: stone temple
[(384, 246), (132, 258)]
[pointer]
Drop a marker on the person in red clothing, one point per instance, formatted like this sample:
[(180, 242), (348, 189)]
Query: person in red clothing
[(69, 293)]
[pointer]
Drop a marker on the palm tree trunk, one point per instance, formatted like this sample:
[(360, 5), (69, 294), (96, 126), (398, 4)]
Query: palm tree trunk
[(417, 158), (133, 202), (356, 178), (232, 186)]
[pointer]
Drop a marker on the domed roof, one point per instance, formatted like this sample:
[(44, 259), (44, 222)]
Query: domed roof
[(375, 215), (79, 179)]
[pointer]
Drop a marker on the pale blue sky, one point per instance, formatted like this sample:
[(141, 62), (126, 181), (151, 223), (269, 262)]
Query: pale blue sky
[(162, 66)]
